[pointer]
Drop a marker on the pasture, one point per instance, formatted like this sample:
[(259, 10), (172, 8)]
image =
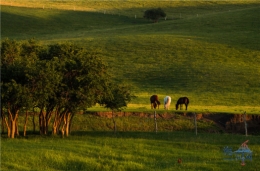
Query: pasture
[(126, 151), (208, 51)]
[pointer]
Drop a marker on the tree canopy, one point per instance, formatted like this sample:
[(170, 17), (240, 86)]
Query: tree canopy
[(121, 95), (154, 14), (58, 79)]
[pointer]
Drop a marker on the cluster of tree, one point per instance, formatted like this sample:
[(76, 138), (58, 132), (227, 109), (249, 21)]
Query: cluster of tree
[(54, 81), (154, 14)]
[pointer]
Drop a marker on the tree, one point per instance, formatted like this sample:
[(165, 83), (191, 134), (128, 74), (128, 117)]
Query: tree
[(85, 80), (15, 94), (121, 96), (56, 79), (154, 14), (44, 81)]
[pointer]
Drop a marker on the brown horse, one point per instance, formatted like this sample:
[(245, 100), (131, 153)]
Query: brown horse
[(154, 101), (181, 101)]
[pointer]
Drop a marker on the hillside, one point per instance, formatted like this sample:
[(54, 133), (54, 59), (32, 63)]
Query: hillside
[(208, 51)]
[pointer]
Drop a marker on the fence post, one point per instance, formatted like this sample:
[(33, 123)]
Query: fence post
[(114, 121), (155, 122), (195, 123), (245, 123)]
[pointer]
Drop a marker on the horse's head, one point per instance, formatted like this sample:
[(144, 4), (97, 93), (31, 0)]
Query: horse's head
[(177, 106)]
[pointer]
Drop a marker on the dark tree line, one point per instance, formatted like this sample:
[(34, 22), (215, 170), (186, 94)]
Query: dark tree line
[(55, 81)]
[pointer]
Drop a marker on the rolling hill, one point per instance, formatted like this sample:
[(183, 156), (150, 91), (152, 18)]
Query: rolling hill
[(208, 51)]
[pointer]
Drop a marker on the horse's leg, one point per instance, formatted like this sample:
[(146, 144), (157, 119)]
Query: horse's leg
[(186, 106)]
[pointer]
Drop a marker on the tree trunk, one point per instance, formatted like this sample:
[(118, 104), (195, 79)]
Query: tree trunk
[(64, 125), (13, 118), (55, 126), (48, 119), (69, 117), (49, 112), (8, 127), (42, 122), (63, 130), (54, 129), (59, 116), (13, 128), (67, 124)]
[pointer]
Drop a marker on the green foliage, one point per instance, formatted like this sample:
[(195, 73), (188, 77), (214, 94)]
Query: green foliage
[(61, 77), (84, 75), (121, 96), (14, 66), (154, 14)]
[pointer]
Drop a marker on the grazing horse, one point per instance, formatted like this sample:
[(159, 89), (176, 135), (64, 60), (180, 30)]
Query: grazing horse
[(181, 101), (167, 102), (154, 101)]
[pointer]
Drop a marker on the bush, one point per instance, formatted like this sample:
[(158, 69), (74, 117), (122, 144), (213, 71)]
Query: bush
[(154, 14)]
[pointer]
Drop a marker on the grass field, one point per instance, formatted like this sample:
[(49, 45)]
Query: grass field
[(126, 151), (208, 51)]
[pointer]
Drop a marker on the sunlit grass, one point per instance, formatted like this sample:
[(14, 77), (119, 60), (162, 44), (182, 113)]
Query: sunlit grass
[(125, 151)]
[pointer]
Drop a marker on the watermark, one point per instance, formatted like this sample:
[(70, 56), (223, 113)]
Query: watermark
[(242, 154)]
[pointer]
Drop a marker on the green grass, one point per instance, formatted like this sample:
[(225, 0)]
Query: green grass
[(126, 151), (206, 50), (210, 54)]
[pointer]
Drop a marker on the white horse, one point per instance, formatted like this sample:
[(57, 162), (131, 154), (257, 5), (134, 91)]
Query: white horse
[(167, 102)]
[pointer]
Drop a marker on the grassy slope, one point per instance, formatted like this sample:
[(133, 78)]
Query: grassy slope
[(212, 57)]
